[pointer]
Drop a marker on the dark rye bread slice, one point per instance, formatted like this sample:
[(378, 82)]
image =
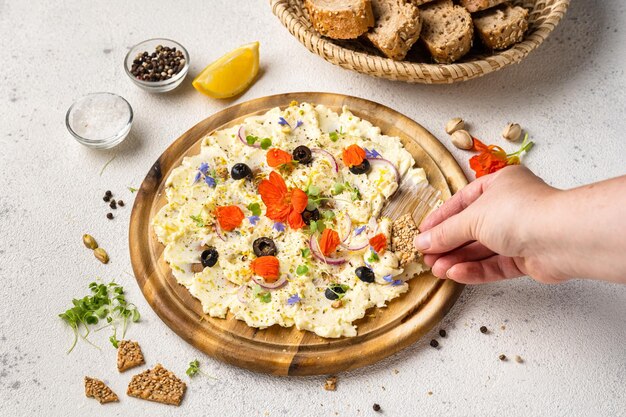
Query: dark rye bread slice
[(477, 5), (501, 26), (340, 19), (397, 27), (447, 30)]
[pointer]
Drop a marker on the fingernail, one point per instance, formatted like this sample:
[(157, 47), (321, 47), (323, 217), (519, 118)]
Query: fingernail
[(422, 241)]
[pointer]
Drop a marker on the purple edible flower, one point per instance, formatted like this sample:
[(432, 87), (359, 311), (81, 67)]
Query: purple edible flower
[(204, 168), (298, 124), (397, 282), (283, 122), (372, 154), (210, 181), (388, 278), (359, 230), (253, 220), (294, 299), (197, 177), (279, 227)]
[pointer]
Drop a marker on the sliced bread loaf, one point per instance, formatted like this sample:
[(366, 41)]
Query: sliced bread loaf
[(477, 5), (447, 30), (501, 26), (341, 19), (397, 27)]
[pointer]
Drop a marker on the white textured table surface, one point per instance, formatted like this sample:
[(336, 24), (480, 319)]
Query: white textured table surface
[(569, 95)]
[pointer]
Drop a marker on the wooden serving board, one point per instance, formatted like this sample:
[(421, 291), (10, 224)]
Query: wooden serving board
[(288, 351)]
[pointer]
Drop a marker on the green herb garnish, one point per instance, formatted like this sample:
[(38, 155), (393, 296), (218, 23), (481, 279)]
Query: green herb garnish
[(264, 296), (373, 257), (251, 139), (328, 214), (302, 270), (334, 136), (266, 143), (337, 188), (198, 220), (305, 252), (339, 290), (194, 368), (313, 190), (255, 208), (106, 302), (132, 189), (317, 226)]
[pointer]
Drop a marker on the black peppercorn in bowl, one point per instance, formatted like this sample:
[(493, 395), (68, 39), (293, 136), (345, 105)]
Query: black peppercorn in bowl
[(157, 65)]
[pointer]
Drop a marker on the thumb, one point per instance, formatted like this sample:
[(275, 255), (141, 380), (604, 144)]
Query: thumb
[(450, 234)]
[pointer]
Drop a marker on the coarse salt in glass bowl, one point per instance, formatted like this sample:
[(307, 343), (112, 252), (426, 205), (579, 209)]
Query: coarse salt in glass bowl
[(150, 46), (99, 120)]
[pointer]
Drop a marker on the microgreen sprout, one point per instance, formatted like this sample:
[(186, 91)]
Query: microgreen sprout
[(198, 220), (106, 302)]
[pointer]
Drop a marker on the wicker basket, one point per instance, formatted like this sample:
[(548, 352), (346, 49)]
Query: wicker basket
[(359, 56)]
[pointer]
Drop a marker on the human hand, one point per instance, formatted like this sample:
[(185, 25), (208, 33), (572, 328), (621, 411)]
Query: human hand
[(486, 232)]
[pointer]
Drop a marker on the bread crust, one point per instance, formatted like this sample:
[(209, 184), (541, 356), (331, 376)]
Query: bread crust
[(448, 50), (398, 27), (344, 19), (476, 5), (498, 32)]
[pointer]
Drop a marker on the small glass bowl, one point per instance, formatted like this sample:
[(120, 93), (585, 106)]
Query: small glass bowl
[(149, 46), (115, 131)]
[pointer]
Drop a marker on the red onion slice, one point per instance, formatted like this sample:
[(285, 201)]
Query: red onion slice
[(328, 156), (273, 286), (218, 231), (241, 134), (241, 294), (381, 161), (347, 226), (317, 252), (356, 247)]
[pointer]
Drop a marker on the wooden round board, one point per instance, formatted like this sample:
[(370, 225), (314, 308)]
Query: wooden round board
[(288, 351)]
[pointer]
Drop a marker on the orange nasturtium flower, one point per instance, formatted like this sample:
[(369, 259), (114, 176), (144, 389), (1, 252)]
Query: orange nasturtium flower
[(329, 241), (379, 243), (493, 158), (277, 157), (266, 267), (283, 205), (353, 155), (229, 217)]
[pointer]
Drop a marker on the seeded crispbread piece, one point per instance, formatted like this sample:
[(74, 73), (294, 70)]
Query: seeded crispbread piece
[(477, 5), (340, 19), (397, 27), (94, 388), (157, 384), (447, 30), (501, 26), (419, 2), (129, 355), (403, 231)]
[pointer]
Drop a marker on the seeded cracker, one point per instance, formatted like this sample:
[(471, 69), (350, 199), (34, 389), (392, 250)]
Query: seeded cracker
[(403, 232), (129, 355), (94, 388), (157, 384)]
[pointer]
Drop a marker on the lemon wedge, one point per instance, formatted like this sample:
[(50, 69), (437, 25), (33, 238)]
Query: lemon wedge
[(231, 74)]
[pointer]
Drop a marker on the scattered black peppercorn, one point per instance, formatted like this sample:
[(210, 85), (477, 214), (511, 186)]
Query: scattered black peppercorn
[(113, 204), (120, 203), (162, 64), (376, 407), (108, 193), (502, 357), (483, 329), (434, 343), (110, 216), (106, 198), (442, 333)]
